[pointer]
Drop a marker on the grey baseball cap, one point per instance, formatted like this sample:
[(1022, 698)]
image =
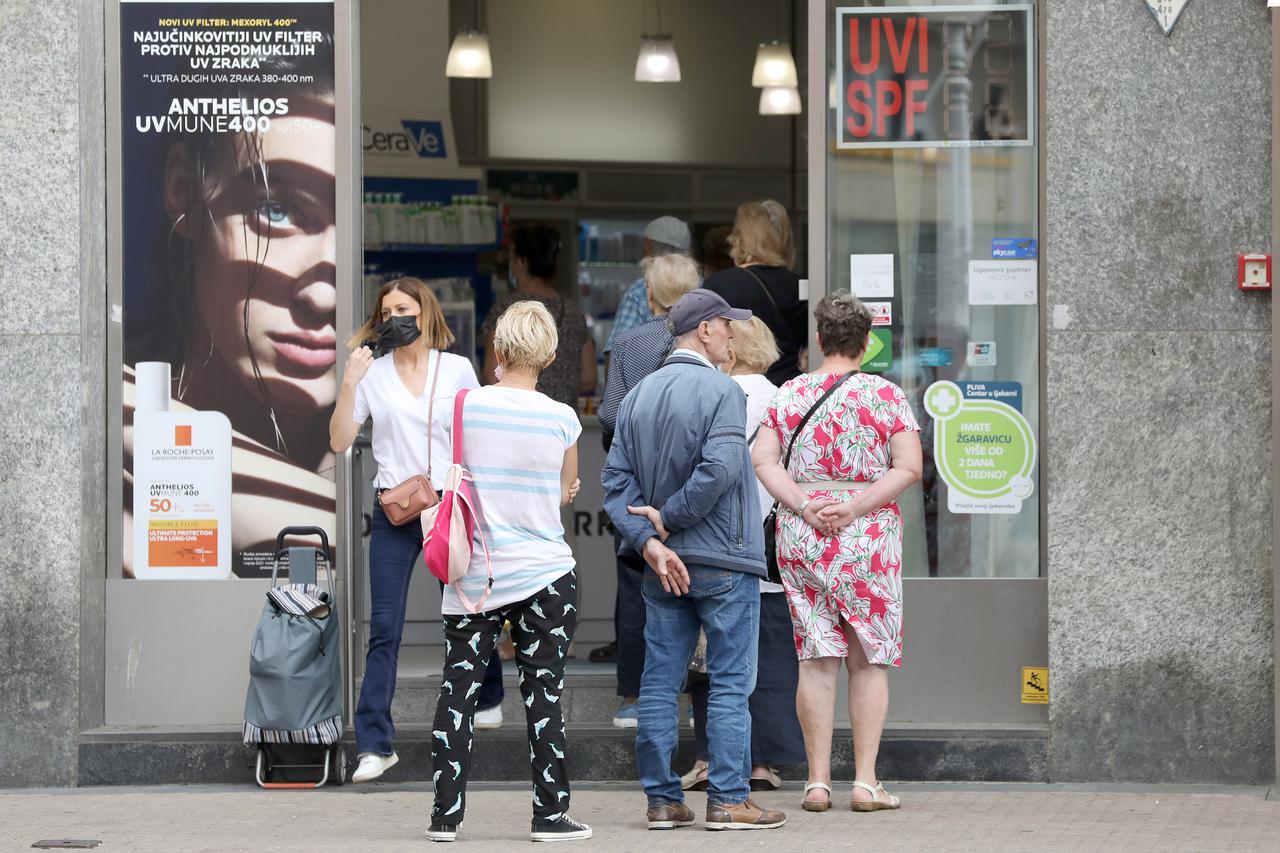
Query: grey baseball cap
[(669, 231), (698, 305)]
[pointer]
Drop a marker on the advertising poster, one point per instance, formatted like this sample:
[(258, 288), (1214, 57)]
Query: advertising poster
[(934, 76), (228, 255), (983, 447)]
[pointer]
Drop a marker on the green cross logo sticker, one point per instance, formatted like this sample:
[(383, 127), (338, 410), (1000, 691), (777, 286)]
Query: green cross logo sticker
[(984, 450)]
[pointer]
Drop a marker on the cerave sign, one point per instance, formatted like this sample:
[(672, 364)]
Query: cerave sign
[(935, 76)]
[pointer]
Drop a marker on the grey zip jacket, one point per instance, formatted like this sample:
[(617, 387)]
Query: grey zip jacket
[(679, 447)]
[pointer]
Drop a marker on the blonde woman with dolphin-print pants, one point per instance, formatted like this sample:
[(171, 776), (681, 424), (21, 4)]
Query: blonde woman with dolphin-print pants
[(520, 448)]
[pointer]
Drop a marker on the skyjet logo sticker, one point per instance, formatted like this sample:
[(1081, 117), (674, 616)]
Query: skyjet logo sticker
[(423, 138)]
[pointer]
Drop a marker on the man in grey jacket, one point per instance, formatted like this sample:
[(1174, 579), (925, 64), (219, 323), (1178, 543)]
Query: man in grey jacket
[(678, 487)]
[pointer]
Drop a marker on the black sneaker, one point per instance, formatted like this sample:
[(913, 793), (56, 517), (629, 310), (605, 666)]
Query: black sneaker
[(443, 832), (563, 828)]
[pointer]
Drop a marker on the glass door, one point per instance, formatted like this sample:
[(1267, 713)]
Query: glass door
[(928, 170)]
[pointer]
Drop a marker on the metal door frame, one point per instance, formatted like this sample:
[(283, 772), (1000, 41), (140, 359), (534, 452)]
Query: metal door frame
[(1003, 589)]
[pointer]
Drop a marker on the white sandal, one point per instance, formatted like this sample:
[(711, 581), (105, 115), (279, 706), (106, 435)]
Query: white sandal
[(814, 805), (875, 804)]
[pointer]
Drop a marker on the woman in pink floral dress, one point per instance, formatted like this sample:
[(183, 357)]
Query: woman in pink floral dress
[(839, 540)]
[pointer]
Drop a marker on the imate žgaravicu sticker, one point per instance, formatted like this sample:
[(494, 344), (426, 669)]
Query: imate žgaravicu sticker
[(1167, 12)]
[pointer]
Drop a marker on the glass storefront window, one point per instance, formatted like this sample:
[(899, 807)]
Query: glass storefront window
[(932, 159)]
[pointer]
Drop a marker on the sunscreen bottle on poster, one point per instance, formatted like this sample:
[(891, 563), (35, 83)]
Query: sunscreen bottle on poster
[(181, 485)]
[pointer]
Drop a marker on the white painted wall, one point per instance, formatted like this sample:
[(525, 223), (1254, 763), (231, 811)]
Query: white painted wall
[(563, 84), (403, 48)]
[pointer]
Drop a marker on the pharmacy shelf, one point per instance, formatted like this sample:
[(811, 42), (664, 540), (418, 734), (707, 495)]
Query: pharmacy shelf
[(429, 249)]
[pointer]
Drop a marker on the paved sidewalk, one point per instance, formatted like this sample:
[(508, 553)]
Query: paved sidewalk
[(934, 817)]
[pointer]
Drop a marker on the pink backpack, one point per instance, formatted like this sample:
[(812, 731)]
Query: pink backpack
[(448, 527)]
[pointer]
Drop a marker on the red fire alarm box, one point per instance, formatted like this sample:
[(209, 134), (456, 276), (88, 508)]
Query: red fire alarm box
[(1254, 272)]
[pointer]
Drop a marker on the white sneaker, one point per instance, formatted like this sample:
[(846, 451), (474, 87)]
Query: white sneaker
[(372, 766), (489, 718)]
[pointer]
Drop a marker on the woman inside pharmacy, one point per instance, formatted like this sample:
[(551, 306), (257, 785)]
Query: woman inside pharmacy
[(535, 254), (408, 392)]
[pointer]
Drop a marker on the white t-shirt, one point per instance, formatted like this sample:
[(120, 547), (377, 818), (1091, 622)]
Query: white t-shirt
[(400, 419), (760, 393), (513, 443)]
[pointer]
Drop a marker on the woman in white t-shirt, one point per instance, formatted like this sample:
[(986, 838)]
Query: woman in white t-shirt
[(410, 386), (520, 446), (776, 737)]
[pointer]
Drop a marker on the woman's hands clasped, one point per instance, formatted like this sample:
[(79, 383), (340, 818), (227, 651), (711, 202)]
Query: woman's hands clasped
[(832, 516)]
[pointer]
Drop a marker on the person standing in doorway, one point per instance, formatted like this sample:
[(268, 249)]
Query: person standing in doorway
[(761, 280), (636, 354), (535, 257), (408, 392), (677, 486), (521, 450), (663, 236)]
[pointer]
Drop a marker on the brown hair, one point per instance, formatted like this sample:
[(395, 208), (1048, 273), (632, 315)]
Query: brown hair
[(434, 329), (843, 325), (762, 235)]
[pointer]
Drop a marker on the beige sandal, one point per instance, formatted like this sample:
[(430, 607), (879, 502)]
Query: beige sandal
[(875, 804), (815, 805)]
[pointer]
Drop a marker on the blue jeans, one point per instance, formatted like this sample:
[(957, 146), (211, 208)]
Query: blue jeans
[(393, 552), (726, 605)]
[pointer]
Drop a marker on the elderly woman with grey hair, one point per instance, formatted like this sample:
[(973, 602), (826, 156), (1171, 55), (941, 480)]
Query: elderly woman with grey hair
[(847, 443)]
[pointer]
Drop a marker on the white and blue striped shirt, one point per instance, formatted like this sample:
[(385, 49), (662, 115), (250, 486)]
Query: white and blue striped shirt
[(514, 443)]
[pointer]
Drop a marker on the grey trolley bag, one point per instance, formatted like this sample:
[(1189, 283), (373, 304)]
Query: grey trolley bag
[(293, 707)]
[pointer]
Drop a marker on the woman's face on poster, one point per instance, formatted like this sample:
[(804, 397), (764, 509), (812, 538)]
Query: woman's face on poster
[(267, 262)]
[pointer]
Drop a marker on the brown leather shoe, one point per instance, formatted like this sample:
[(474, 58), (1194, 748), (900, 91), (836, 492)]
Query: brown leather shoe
[(743, 816), (669, 816)]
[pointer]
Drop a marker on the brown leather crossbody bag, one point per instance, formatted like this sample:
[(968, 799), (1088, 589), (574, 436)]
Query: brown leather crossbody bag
[(406, 501)]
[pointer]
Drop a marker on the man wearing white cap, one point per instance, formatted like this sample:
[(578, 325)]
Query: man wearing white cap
[(665, 235)]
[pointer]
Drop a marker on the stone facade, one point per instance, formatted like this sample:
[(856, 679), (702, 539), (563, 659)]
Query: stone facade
[(41, 387), (1158, 444)]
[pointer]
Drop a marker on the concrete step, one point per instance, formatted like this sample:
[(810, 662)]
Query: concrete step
[(598, 752)]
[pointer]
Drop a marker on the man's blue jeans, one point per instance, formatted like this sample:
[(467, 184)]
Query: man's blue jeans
[(726, 605)]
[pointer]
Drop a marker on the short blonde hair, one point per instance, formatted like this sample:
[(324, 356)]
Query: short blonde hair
[(525, 336), (762, 234), (669, 277), (755, 349)]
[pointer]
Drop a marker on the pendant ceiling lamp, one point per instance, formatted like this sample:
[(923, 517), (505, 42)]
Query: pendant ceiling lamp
[(774, 66), (779, 101), (469, 56), (657, 62)]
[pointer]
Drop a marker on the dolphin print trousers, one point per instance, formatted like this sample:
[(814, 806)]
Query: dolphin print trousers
[(542, 627)]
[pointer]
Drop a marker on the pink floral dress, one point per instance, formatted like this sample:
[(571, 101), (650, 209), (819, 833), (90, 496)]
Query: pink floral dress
[(856, 574)]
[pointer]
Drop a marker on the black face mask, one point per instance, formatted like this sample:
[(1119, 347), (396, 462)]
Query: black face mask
[(397, 332)]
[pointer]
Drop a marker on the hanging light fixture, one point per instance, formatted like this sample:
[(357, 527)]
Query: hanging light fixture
[(774, 66), (657, 62), (779, 101), (469, 56)]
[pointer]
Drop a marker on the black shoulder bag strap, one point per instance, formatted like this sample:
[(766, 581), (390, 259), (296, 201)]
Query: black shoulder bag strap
[(786, 460), (777, 312)]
